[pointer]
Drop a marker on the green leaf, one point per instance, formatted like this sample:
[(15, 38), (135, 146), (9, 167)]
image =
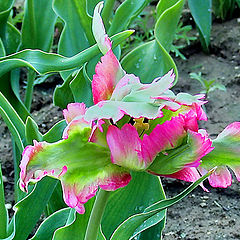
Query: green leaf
[(142, 191), (38, 25), (12, 129), (125, 13), (7, 91), (32, 131), (39, 197), (56, 201), (151, 59), (2, 49), (43, 63), (76, 225), (126, 231), (56, 132), (13, 37), (11, 113), (77, 32), (202, 14), (3, 210), (5, 8), (62, 94), (81, 88), (51, 224)]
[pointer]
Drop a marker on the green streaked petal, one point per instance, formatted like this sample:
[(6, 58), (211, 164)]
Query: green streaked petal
[(81, 166)]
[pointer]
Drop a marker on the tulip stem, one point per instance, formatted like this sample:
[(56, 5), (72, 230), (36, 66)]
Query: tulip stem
[(96, 215)]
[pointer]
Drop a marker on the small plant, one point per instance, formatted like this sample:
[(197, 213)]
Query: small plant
[(182, 34), (208, 85)]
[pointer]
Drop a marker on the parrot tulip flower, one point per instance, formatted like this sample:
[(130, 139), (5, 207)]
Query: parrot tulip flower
[(131, 127)]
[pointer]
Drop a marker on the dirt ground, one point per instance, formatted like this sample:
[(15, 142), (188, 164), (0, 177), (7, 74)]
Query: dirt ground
[(209, 216)]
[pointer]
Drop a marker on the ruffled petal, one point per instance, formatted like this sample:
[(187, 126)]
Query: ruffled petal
[(109, 70), (74, 116), (221, 177), (125, 147), (115, 110), (187, 155), (226, 153), (166, 136), (108, 73), (80, 165), (99, 32), (74, 110)]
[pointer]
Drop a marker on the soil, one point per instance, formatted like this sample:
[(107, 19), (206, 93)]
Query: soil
[(210, 216)]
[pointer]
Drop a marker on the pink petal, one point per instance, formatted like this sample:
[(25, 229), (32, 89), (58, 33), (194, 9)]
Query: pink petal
[(232, 130), (114, 182), (125, 145), (187, 174), (76, 122), (163, 137), (108, 73), (74, 110), (220, 178)]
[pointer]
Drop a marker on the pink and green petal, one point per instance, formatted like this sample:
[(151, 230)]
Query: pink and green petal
[(164, 136), (74, 110), (81, 166), (226, 153), (189, 154), (108, 73), (221, 177), (99, 32), (109, 70), (74, 116), (125, 146)]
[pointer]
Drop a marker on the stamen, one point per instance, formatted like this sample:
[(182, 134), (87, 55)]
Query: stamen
[(140, 125)]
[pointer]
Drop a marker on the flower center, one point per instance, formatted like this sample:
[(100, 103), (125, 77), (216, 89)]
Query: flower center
[(140, 125)]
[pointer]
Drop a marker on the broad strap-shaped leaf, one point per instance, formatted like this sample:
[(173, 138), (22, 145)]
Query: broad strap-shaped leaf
[(43, 63), (143, 190), (151, 59), (125, 13), (76, 34), (39, 196), (5, 8), (81, 89), (226, 153), (76, 225), (127, 230), (38, 25), (12, 129), (32, 131), (51, 224), (12, 114), (70, 160), (3, 210), (202, 14)]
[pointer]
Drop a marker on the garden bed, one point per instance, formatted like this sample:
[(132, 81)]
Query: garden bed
[(214, 215)]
